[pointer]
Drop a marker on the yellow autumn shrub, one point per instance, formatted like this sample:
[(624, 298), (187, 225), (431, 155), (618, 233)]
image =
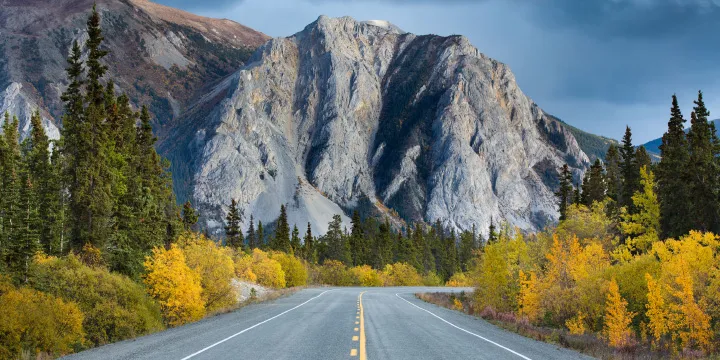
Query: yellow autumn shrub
[(260, 268), (366, 276), (617, 329), (214, 264), (296, 274), (36, 322), (459, 279), (432, 279), (401, 274), (174, 285), (114, 306), (335, 273)]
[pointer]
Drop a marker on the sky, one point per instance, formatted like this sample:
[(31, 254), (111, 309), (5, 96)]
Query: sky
[(597, 64)]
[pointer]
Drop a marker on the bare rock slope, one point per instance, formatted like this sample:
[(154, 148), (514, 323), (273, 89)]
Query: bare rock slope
[(162, 57), (350, 115)]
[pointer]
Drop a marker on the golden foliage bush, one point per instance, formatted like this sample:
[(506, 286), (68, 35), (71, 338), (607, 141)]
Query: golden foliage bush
[(214, 264), (432, 279), (296, 273), (36, 322), (115, 307), (174, 285), (617, 319), (366, 276), (401, 274), (260, 268), (335, 273), (459, 279)]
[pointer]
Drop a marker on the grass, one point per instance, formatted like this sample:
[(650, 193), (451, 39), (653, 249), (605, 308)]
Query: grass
[(588, 344)]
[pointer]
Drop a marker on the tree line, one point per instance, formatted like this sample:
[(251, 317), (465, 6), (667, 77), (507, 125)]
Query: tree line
[(369, 241)]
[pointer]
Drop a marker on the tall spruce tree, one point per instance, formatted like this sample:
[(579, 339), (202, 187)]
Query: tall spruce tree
[(613, 173), (10, 198), (672, 176), (281, 238), (233, 233), (251, 235), (703, 171), (629, 170), (595, 186), (466, 251), (295, 245), (357, 241), (260, 241), (565, 192), (309, 251), (40, 175), (189, 216)]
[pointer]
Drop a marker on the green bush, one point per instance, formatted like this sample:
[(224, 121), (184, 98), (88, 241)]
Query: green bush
[(115, 307)]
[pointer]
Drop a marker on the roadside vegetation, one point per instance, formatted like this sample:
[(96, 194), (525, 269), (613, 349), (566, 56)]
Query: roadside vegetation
[(633, 268)]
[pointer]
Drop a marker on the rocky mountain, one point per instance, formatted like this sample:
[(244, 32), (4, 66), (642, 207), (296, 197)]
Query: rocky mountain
[(160, 56), (360, 115)]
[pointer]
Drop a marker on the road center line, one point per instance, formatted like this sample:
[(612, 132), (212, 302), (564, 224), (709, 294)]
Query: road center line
[(469, 332), (250, 328), (363, 355)]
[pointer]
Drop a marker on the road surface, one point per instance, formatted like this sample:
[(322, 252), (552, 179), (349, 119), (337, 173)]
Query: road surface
[(336, 323)]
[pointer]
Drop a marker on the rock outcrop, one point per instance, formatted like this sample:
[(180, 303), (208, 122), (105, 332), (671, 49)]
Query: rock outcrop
[(161, 57), (350, 115)]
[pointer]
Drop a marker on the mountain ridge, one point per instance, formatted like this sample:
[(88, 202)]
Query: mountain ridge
[(423, 125)]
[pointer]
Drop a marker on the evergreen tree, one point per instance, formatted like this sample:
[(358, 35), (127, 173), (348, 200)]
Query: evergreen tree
[(27, 237), (642, 158), (492, 233), (295, 245), (565, 192), (260, 236), (251, 236), (577, 195), (337, 248), (629, 170), (233, 233), (40, 175), (703, 169), (357, 241), (406, 251), (595, 187), (10, 198), (309, 252), (189, 216), (384, 245), (449, 263), (281, 240), (613, 173), (672, 176), (466, 252)]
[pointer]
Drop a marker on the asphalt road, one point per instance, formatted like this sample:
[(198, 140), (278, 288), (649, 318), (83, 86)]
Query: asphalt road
[(336, 323)]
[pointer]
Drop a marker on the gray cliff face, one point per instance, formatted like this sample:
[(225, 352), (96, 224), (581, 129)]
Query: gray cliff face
[(347, 114)]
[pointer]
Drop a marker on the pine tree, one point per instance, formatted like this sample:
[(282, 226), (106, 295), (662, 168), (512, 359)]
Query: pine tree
[(613, 173), (577, 195), (565, 192), (281, 240), (233, 233), (41, 175), (309, 252), (629, 170), (27, 237), (703, 171), (251, 236), (189, 216), (357, 241), (466, 252), (492, 233), (642, 158), (384, 245), (295, 245), (595, 188), (260, 236), (672, 176), (10, 197), (336, 242)]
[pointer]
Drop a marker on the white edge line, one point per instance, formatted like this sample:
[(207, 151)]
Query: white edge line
[(250, 328), (461, 329)]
